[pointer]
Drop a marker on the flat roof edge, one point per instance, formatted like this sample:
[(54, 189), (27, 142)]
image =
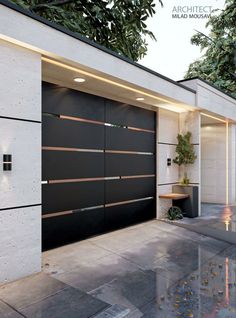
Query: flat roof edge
[(89, 42), (208, 83)]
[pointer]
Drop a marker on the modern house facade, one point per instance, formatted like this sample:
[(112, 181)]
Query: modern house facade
[(83, 157)]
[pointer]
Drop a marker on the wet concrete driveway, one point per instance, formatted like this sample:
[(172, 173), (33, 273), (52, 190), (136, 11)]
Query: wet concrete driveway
[(150, 270)]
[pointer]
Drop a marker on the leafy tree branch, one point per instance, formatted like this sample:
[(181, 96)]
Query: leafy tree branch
[(218, 62), (119, 25)]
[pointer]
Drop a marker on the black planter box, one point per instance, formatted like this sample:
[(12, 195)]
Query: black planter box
[(189, 206)]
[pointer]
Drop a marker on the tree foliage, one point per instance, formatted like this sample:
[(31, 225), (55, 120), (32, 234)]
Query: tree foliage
[(217, 65), (116, 24)]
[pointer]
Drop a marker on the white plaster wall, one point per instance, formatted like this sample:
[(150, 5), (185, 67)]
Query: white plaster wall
[(20, 243), (20, 132), (213, 166), (19, 78)]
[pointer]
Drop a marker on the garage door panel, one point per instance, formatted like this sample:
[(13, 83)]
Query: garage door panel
[(129, 189), (72, 196), (59, 165), (62, 230), (127, 115), (126, 214), (69, 102), (129, 140), (99, 165), (129, 164), (72, 134)]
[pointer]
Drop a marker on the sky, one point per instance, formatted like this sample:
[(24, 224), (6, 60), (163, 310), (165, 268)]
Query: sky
[(173, 52)]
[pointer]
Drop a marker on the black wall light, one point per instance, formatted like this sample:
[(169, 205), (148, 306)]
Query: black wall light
[(168, 162), (7, 162)]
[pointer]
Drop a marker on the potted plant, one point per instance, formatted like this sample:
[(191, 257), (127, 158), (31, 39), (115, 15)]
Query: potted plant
[(174, 213), (185, 154)]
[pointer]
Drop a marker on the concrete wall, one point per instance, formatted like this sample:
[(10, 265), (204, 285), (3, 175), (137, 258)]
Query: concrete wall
[(190, 121), (20, 189), (213, 169), (211, 99), (167, 131)]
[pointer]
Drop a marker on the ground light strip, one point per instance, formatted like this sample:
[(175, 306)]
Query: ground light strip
[(226, 153), (227, 163), (108, 81)]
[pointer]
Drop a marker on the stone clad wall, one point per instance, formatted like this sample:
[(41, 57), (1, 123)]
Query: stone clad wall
[(20, 136)]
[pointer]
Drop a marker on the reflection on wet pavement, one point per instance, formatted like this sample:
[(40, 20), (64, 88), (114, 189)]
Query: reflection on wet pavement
[(149, 270), (216, 220), (208, 292)]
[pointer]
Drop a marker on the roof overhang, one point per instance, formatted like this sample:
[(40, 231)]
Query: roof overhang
[(212, 100), (65, 56)]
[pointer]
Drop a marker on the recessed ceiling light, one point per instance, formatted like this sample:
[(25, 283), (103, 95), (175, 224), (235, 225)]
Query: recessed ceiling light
[(139, 98), (79, 79)]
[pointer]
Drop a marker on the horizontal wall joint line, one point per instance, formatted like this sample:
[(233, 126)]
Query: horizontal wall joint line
[(22, 119), (166, 143), (170, 183), (21, 207)]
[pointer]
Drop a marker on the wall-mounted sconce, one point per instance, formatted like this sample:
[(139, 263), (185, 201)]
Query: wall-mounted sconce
[(7, 162), (168, 162)]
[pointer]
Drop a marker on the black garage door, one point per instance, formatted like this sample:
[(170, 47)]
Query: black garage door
[(98, 165)]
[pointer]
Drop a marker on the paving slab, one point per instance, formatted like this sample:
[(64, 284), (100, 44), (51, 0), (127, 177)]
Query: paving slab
[(90, 276), (8, 312), (207, 292), (29, 290), (67, 258), (68, 303), (133, 290), (150, 270)]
